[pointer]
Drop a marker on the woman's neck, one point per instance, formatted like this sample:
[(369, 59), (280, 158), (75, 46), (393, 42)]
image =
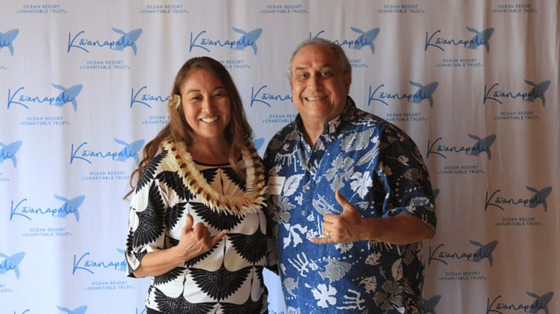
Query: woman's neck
[(210, 152)]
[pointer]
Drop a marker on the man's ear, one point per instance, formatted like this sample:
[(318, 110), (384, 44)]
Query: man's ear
[(347, 78)]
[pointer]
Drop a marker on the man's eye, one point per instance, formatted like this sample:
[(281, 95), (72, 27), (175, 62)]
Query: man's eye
[(325, 74), (303, 76)]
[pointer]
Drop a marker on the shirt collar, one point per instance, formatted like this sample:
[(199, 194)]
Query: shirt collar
[(332, 127)]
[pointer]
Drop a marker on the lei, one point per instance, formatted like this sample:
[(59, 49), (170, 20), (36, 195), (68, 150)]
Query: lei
[(251, 201)]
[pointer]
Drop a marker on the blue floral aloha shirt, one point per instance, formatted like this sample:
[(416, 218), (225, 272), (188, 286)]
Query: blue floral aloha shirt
[(376, 167)]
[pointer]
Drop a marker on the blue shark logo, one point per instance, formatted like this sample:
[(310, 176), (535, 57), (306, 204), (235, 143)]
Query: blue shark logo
[(11, 263), (7, 39), (136, 99), (264, 98), (537, 92), (67, 95), (70, 206), (364, 40), (78, 310), (540, 304), (429, 306), (129, 151), (423, 93), (540, 197), (90, 265), (9, 152), (126, 40), (483, 252), (482, 145), (248, 39), (480, 39)]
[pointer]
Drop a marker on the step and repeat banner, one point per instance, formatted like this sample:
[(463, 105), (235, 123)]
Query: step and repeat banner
[(84, 86)]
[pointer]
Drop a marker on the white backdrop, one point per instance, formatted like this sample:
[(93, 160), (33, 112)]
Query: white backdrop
[(84, 85)]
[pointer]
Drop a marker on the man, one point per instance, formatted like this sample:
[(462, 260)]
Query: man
[(349, 198)]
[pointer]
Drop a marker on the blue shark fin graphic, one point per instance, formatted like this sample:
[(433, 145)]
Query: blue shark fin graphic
[(75, 104)]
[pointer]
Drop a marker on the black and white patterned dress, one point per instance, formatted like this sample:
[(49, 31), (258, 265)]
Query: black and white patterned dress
[(226, 279)]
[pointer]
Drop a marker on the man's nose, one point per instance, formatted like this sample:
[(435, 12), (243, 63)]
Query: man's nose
[(315, 81)]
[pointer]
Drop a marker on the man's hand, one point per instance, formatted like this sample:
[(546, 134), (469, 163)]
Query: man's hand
[(344, 227)]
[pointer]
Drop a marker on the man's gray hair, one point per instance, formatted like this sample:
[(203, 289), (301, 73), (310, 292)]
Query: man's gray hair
[(343, 61)]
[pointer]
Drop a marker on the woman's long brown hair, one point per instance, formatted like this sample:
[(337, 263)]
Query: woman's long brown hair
[(237, 133)]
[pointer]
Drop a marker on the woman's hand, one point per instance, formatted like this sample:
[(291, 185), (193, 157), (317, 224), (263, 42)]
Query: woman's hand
[(197, 240)]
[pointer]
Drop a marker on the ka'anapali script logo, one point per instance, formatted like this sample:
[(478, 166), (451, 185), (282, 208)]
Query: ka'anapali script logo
[(497, 200), (263, 96), (80, 41), (143, 97), (130, 150), (91, 265), (535, 92), (482, 252), (539, 304), (364, 39), (247, 39), (67, 96), (480, 39), (69, 207), (7, 39), (482, 145), (422, 93)]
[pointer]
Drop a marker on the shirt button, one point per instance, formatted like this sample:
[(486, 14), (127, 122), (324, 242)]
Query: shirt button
[(307, 188), (310, 167)]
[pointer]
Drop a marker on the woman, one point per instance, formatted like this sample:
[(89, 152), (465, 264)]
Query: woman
[(196, 223)]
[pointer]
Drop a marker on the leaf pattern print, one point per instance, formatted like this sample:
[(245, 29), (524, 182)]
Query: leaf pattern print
[(341, 169), (324, 295), (292, 184), (362, 183)]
